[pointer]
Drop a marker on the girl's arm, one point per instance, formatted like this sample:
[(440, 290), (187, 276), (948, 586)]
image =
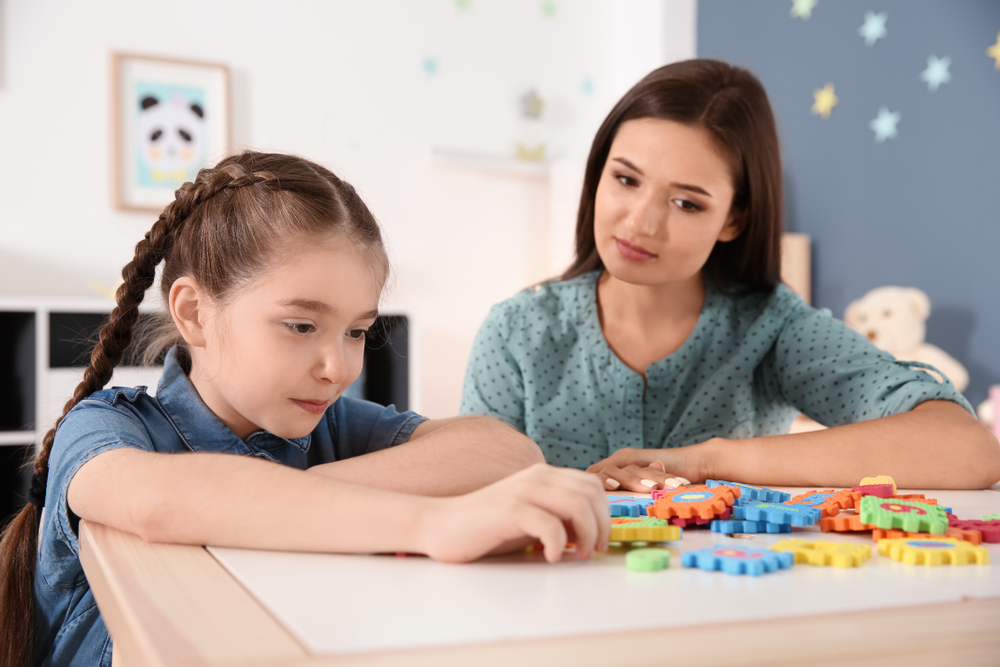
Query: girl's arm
[(443, 457), (937, 445), (228, 500)]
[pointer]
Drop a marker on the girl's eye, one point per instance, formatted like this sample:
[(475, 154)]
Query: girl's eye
[(301, 328), (626, 180), (357, 334), (687, 205)]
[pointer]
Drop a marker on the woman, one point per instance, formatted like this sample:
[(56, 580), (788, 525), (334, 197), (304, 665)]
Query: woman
[(670, 351)]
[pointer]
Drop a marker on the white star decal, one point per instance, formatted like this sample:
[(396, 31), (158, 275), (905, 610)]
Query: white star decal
[(874, 27), (884, 126), (936, 72)]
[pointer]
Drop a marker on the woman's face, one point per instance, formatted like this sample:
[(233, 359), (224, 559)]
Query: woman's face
[(663, 201)]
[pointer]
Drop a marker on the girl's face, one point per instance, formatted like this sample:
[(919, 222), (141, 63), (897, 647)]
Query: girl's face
[(289, 344), (662, 202)]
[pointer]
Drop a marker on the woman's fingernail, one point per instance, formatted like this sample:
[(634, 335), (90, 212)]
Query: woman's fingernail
[(684, 481), (612, 483), (648, 482), (672, 483), (658, 465)]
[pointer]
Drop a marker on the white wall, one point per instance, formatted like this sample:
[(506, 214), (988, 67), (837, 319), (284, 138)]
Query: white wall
[(342, 83)]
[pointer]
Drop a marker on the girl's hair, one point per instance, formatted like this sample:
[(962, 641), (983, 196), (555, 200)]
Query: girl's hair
[(223, 230), (730, 103)]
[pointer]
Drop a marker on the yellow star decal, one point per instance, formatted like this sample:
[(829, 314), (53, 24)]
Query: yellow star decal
[(994, 51), (824, 100)]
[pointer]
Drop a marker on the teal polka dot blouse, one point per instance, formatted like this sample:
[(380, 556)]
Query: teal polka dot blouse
[(540, 362)]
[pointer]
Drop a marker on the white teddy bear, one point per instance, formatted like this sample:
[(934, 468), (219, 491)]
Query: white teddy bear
[(893, 319)]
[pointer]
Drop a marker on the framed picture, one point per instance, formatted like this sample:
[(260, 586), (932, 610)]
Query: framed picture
[(170, 118)]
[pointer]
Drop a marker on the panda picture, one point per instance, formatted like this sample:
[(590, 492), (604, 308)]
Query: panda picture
[(171, 142)]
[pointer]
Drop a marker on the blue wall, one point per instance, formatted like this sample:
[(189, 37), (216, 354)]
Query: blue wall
[(918, 210)]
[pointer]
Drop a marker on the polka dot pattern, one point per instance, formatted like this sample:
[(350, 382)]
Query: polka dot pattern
[(540, 362)]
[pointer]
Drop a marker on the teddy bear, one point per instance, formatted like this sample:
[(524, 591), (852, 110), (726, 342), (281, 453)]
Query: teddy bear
[(893, 319)]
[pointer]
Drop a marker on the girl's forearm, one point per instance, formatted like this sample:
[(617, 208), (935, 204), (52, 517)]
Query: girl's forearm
[(937, 445), (237, 501), (443, 458)]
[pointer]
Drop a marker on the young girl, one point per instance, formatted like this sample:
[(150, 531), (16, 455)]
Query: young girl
[(273, 268), (670, 347)]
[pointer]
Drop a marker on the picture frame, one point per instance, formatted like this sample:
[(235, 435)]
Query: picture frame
[(170, 118)]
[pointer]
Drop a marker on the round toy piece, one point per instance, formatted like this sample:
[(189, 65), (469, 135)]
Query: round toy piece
[(643, 529), (751, 492), (628, 506), (647, 560), (828, 502), (753, 562), (837, 554), (749, 527), (688, 502), (933, 551), (881, 479), (795, 515), (911, 516)]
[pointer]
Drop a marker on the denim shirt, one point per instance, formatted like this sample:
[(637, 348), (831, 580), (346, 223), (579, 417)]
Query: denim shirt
[(69, 629), (541, 363)]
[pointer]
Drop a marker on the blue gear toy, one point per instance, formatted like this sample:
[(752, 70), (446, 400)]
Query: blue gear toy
[(750, 492), (730, 527), (628, 506), (753, 562), (795, 515)]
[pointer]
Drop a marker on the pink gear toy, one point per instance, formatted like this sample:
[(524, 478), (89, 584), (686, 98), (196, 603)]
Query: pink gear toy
[(990, 530)]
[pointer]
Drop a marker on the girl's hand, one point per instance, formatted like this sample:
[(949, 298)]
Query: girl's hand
[(540, 503), (642, 470)]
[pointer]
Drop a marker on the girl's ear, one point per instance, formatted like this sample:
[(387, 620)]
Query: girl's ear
[(188, 308), (733, 227)]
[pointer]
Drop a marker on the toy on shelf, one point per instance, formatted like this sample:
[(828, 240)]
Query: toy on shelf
[(643, 529), (911, 516), (933, 551), (753, 562), (749, 527), (990, 530), (751, 492), (647, 560), (628, 506), (828, 502), (795, 515), (881, 479), (837, 554), (689, 502), (971, 536)]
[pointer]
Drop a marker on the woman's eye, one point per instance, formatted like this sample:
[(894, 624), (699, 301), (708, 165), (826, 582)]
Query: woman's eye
[(687, 205), (357, 334), (302, 328), (626, 180)]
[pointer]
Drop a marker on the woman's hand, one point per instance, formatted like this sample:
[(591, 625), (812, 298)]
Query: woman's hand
[(540, 503), (642, 470)]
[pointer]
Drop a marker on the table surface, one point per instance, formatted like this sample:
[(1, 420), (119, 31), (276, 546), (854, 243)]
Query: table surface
[(264, 607)]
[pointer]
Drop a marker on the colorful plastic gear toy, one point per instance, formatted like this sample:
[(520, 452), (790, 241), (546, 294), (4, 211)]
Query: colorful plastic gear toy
[(751, 492), (643, 529), (698, 521), (881, 479), (749, 527), (837, 554), (737, 560), (828, 502), (647, 560), (973, 537), (991, 517), (688, 502), (796, 515), (628, 506), (911, 516), (877, 490), (990, 530), (843, 523), (933, 551)]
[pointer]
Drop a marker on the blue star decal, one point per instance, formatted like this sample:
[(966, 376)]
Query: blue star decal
[(430, 65), (936, 72), (884, 126), (874, 27)]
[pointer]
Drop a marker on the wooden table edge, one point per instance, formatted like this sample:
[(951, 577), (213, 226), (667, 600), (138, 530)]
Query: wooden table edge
[(132, 579)]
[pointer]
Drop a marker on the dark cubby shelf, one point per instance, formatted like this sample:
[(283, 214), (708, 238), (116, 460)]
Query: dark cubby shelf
[(17, 371)]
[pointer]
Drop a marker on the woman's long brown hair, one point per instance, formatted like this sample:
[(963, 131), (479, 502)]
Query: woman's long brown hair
[(222, 230), (730, 103)]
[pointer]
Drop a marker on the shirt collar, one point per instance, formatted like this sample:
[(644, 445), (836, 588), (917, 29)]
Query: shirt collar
[(198, 425)]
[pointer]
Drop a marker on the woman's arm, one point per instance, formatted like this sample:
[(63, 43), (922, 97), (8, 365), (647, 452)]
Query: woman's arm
[(937, 445), (443, 457), (238, 501)]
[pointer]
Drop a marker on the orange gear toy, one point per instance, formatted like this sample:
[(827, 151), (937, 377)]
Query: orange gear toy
[(689, 502), (843, 523), (971, 536), (643, 529), (829, 502), (837, 554), (933, 551)]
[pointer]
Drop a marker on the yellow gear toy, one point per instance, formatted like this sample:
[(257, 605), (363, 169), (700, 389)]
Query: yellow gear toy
[(643, 529), (837, 554), (936, 551)]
